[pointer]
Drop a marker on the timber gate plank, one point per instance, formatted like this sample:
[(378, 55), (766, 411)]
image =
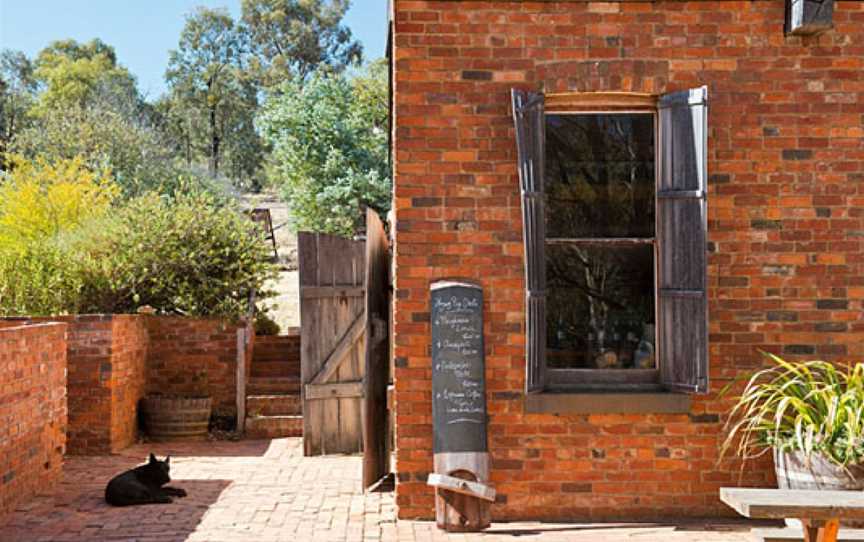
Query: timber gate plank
[(331, 271)]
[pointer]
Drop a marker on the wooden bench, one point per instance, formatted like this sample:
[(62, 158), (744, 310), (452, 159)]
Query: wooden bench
[(820, 512)]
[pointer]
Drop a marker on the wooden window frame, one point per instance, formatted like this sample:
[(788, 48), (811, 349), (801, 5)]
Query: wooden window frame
[(611, 380), (682, 193)]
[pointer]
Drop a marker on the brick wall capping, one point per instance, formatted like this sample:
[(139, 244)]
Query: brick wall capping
[(568, 101), (15, 325), (607, 403)]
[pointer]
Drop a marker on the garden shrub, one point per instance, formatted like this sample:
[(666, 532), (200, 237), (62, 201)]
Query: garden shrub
[(40, 199), (191, 254), (135, 152), (265, 325), (38, 280)]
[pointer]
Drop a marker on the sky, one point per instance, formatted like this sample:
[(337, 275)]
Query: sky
[(143, 31)]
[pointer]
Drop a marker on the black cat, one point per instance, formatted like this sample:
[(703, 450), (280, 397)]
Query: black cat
[(143, 485)]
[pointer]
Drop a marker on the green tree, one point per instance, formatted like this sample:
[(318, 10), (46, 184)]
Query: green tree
[(135, 152), (294, 37), (17, 94), (207, 80), (181, 126), (329, 142), (83, 75)]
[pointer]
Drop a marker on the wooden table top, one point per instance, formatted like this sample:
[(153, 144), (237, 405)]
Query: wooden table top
[(794, 503)]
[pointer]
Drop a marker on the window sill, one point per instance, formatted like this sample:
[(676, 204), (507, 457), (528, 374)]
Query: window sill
[(614, 402)]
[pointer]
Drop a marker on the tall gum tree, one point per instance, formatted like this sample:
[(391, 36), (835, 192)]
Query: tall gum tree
[(83, 75), (205, 71), (292, 38)]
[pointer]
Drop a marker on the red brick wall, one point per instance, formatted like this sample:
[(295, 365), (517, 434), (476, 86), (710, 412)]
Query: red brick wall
[(182, 349), (106, 356), (114, 360), (786, 165), (128, 377), (106, 372), (32, 409)]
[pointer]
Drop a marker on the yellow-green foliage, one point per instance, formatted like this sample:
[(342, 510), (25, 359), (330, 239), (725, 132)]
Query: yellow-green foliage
[(76, 74), (40, 199)]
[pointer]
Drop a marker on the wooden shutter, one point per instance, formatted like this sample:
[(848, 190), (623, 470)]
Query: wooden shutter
[(682, 231), (530, 146)]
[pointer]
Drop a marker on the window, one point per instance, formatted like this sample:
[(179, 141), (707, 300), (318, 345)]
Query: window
[(614, 215)]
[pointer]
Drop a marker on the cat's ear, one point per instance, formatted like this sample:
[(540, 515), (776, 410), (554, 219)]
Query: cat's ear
[(167, 459), (152, 458)]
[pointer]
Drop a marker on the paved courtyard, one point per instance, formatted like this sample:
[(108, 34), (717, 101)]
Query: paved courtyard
[(266, 491)]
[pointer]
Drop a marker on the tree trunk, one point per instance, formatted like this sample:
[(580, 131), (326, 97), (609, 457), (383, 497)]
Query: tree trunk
[(214, 143)]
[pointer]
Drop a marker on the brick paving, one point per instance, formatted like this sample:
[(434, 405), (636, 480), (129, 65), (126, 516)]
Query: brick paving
[(266, 491)]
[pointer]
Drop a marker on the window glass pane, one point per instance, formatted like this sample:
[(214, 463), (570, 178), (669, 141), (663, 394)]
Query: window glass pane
[(600, 307), (600, 175)]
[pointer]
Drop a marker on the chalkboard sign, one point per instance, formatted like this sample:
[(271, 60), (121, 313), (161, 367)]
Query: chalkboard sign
[(458, 378)]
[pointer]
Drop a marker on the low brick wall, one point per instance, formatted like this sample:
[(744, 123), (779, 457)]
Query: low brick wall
[(114, 360), (194, 357), (129, 347), (33, 411), (107, 355)]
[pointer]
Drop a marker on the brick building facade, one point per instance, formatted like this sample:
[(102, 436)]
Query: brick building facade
[(785, 269)]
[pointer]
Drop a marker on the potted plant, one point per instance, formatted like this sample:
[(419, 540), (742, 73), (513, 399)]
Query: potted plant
[(810, 415), (179, 417)]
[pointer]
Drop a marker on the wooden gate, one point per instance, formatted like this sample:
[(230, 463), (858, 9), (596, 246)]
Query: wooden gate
[(333, 342), (345, 354), (375, 426)]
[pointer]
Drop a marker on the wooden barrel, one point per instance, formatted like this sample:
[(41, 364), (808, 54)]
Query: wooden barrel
[(794, 471), (176, 418)]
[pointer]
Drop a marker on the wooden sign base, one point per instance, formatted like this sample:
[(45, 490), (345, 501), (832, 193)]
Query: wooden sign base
[(462, 506), (461, 473)]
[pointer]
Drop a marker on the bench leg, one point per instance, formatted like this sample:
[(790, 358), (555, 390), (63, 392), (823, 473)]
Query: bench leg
[(820, 530)]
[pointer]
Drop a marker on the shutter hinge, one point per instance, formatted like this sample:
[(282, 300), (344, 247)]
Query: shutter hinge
[(681, 194), (673, 292), (531, 102)]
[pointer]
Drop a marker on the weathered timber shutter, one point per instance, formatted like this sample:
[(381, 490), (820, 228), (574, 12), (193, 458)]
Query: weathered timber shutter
[(530, 146), (682, 231)]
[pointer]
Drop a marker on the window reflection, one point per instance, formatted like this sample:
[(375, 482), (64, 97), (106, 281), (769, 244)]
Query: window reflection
[(600, 307), (599, 179)]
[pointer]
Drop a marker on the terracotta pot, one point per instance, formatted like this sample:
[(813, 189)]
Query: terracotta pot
[(176, 418)]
